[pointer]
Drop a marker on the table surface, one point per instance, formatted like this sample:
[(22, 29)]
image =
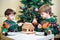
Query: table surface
[(23, 36)]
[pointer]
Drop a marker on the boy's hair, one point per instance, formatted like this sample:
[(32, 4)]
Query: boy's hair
[(45, 8), (9, 11)]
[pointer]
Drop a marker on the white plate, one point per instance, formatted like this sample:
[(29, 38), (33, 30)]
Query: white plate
[(11, 33), (40, 33)]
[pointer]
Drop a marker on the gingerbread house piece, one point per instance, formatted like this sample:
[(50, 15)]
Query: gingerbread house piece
[(28, 28)]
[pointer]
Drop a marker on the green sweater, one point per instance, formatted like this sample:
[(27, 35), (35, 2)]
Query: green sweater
[(13, 26), (53, 21), (54, 26)]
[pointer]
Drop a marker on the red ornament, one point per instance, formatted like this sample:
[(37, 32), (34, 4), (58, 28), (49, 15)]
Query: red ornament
[(35, 21), (59, 29)]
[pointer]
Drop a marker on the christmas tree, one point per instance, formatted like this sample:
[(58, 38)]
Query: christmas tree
[(30, 11)]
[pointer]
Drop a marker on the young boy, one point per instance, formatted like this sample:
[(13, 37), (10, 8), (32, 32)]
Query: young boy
[(9, 25), (49, 23)]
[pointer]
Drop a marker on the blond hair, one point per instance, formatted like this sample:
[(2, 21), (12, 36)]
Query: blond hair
[(45, 8)]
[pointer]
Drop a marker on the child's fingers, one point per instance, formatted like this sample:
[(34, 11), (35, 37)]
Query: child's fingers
[(39, 26), (20, 24)]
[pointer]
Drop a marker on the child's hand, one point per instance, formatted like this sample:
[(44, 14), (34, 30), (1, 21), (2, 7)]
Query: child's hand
[(39, 26), (49, 32), (20, 24)]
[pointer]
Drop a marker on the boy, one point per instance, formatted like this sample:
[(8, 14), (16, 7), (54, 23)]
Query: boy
[(9, 25), (45, 12)]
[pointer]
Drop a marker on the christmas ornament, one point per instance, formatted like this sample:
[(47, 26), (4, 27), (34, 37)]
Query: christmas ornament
[(36, 9), (59, 29), (22, 7), (35, 21)]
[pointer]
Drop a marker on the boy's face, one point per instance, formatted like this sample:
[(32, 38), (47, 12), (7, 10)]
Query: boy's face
[(11, 17), (44, 15)]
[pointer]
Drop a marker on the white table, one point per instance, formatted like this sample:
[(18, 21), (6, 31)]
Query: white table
[(23, 36)]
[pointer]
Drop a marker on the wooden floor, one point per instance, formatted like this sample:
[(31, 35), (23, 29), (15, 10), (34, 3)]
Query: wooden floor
[(2, 37), (5, 38), (56, 38)]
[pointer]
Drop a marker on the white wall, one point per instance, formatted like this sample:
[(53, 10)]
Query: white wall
[(4, 4), (56, 9)]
